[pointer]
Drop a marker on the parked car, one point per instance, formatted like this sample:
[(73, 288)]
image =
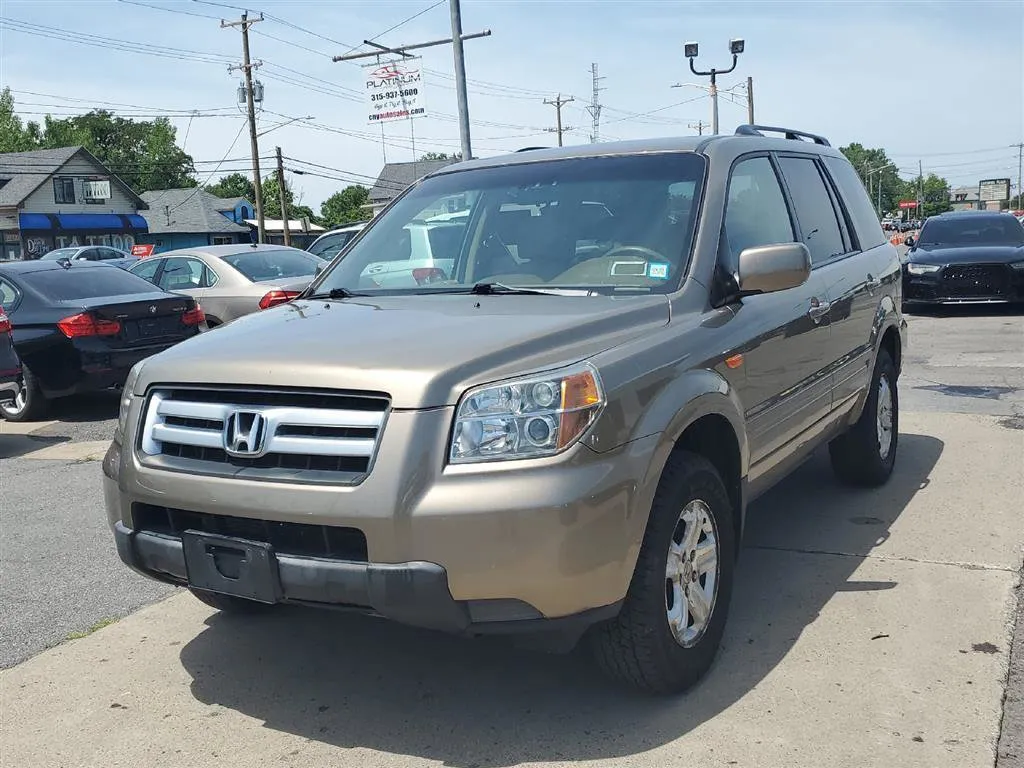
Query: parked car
[(10, 365), (330, 244), (80, 326), (965, 257), (560, 436), (92, 253), (232, 280)]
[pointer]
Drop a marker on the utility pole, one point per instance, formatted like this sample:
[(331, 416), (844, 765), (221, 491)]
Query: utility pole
[(595, 106), (282, 190), (750, 100), (247, 66), (456, 40), (1020, 167), (558, 103), (700, 125), (920, 190)]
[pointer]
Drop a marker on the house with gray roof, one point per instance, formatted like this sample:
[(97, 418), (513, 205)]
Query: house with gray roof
[(395, 177), (191, 217), (54, 198)]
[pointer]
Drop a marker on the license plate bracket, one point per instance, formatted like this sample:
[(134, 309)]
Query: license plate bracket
[(231, 566)]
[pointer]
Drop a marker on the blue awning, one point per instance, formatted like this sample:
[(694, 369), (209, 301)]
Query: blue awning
[(34, 221), (108, 222)]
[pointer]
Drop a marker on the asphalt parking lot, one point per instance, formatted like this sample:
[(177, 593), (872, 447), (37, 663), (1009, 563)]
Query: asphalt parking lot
[(868, 628)]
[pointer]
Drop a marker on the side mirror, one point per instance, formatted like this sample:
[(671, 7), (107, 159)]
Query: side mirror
[(770, 268), (909, 242), (319, 268)]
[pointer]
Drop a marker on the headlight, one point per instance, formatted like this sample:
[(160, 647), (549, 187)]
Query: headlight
[(528, 417), (922, 269), (1019, 266), (126, 395)]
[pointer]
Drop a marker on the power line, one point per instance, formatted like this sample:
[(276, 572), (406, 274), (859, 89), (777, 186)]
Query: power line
[(169, 10), (212, 173)]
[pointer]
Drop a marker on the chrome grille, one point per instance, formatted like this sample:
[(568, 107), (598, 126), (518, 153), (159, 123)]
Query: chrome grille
[(296, 436)]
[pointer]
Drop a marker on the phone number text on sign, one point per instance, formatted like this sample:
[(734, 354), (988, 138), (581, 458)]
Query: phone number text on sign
[(394, 90)]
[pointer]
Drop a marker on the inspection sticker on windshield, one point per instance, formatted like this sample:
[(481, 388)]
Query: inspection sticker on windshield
[(658, 270)]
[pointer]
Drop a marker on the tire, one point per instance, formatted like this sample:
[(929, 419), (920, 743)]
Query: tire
[(229, 603), (30, 405), (639, 647), (866, 454)]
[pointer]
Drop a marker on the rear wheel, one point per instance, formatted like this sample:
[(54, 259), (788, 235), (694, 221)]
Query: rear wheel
[(671, 623), (866, 454), (30, 404), (229, 603)]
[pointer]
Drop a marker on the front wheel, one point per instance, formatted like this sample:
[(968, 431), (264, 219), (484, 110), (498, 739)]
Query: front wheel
[(667, 634), (866, 454)]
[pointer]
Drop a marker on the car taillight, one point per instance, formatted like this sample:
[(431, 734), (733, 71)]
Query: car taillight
[(274, 298), (424, 275), (194, 316), (5, 323), (84, 324)]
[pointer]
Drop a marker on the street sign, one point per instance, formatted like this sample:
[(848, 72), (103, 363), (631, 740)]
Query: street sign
[(142, 251), (394, 91), (908, 204), (993, 190)]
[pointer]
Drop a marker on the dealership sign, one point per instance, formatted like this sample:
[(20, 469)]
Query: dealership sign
[(394, 91), (908, 204), (993, 190), (142, 251)]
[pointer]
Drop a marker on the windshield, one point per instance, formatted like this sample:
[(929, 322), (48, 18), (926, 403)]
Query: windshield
[(971, 230), (603, 224), (60, 253), (260, 265)]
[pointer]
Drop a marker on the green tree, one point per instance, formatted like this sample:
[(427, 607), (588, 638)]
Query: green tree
[(15, 137), (233, 185), (935, 192), (272, 202), (879, 174), (345, 206), (440, 156)]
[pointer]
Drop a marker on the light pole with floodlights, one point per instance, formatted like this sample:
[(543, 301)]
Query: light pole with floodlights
[(735, 48)]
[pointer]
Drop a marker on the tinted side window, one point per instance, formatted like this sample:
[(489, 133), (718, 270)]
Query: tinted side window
[(814, 210), (89, 254), (865, 220), (109, 253), (182, 274), (147, 269), (8, 295), (756, 212)]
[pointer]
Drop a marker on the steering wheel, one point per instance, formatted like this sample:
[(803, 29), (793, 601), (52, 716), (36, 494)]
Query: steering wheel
[(650, 253), (599, 269)]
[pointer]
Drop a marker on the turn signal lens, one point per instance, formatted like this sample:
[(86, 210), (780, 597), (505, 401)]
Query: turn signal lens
[(84, 324), (528, 417), (273, 298)]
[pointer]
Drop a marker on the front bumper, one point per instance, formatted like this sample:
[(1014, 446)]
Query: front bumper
[(545, 539), (965, 283)]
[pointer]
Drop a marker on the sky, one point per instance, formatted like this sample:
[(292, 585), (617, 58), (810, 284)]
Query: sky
[(936, 83)]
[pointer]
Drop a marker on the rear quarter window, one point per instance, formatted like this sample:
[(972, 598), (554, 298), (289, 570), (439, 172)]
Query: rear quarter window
[(855, 197), (88, 283)]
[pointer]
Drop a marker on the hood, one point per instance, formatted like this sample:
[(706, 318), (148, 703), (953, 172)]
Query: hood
[(965, 254), (424, 351)]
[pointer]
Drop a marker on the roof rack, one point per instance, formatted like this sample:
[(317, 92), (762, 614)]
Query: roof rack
[(789, 133)]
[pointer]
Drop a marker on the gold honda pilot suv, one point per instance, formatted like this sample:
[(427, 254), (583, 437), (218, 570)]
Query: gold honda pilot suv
[(550, 427)]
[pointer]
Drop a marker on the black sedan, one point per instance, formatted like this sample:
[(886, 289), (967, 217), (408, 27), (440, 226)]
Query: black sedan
[(10, 365), (965, 257), (80, 326)]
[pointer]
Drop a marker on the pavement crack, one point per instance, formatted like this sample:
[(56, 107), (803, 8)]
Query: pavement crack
[(897, 558)]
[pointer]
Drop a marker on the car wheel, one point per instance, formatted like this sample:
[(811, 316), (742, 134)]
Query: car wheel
[(229, 603), (667, 634), (866, 454), (30, 404)]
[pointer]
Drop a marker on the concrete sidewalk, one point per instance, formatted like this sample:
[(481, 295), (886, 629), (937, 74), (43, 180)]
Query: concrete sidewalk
[(868, 628)]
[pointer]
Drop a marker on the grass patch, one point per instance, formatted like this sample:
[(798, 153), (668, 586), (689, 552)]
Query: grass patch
[(94, 628)]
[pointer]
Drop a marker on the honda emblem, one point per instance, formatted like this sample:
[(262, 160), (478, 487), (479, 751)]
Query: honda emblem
[(245, 434)]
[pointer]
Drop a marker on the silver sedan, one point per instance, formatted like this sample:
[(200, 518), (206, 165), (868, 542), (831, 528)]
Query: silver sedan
[(232, 280)]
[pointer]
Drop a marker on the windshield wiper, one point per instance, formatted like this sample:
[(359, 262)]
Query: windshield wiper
[(493, 289), (335, 293)]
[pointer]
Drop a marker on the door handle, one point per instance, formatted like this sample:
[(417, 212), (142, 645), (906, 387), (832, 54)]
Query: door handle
[(873, 282), (818, 309)]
